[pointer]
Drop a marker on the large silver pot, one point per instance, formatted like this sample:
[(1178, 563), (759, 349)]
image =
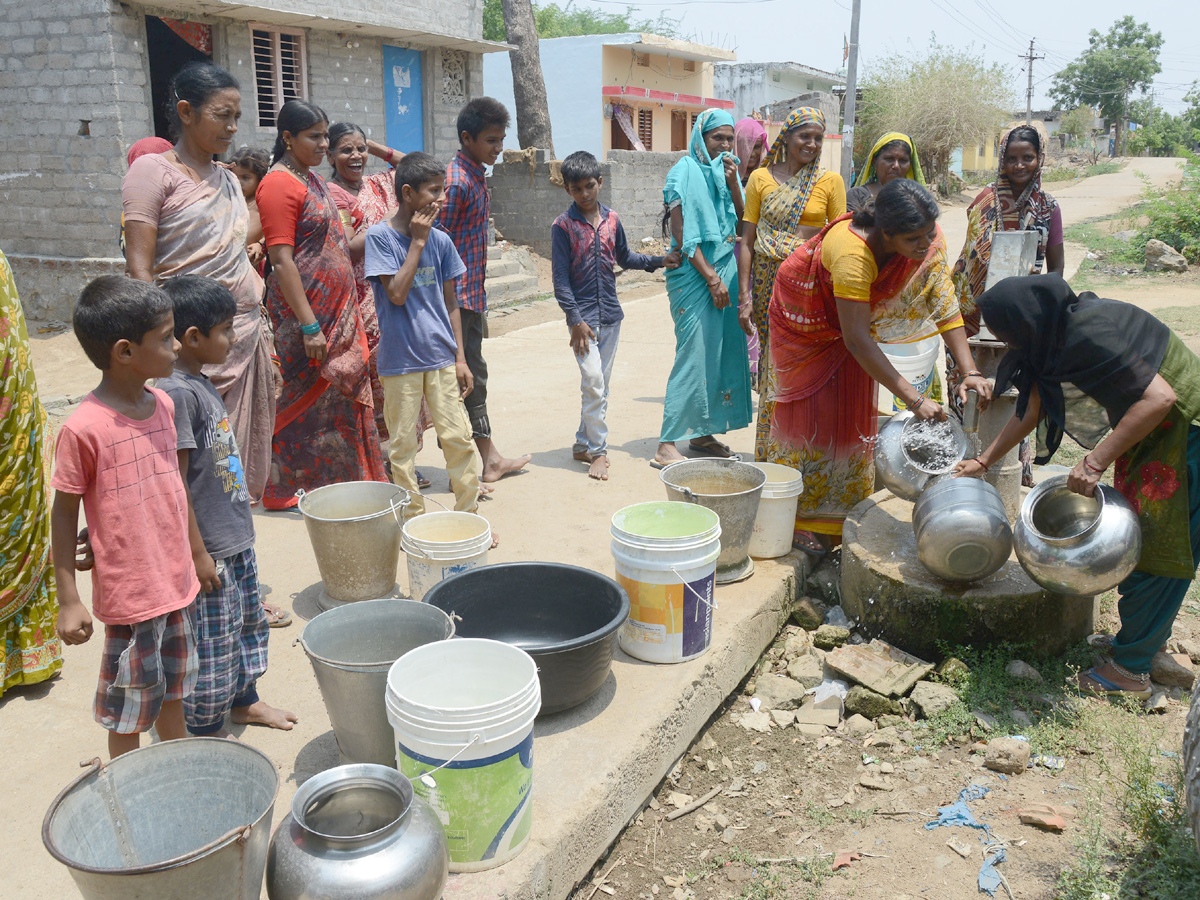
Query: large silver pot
[(358, 833), (961, 529), (902, 466), (732, 490), (1071, 544)]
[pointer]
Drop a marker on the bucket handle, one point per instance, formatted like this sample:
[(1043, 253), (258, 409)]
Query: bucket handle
[(396, 507), (425, 778), (695, 592)]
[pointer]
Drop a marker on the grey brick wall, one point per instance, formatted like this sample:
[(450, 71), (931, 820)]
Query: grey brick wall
[(74, 60), (525, 204)]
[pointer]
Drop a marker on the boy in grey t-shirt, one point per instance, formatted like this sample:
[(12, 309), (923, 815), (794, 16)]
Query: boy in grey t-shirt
[(231, 640)]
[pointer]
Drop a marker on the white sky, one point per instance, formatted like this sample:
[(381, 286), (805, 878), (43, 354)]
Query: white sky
[(811, 32)]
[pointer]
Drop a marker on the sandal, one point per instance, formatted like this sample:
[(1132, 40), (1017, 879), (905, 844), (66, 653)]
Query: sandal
[(277, 616), (1110, 688), (422, 481), (710, 446), (809, 543)]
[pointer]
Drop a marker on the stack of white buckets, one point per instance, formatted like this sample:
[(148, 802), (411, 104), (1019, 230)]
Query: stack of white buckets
[(463, 712), (666, 559)]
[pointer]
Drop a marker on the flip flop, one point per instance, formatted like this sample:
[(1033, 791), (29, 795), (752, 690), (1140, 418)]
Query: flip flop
[(1112, 689), (809, 543), (277, 617), (713, 447)]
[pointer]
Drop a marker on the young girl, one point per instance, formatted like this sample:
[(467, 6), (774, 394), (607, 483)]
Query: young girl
[(250, 164)]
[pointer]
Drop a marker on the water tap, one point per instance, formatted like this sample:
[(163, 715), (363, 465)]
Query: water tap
[(970, 420)]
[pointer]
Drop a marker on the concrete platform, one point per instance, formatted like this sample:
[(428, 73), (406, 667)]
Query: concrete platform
[(887, 589), (593, 766)]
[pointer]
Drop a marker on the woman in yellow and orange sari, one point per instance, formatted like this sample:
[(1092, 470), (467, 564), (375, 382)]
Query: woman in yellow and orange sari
[(28, 602), (882, 274)]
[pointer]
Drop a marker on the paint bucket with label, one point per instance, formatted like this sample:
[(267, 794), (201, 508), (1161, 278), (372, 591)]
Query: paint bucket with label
[(666, 559), (442, 544)]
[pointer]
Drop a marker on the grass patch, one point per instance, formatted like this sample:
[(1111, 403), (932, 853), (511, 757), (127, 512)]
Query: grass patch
[(860, 817), (1108, 167), (818, 815), (1183, 320), (1061, 173)]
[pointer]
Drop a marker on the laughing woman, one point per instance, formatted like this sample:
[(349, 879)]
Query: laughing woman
[(1083, 365), (788, 200), (325, 427), (708, 392)]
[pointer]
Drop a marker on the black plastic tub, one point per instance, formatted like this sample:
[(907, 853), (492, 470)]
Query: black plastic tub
[(563, 616)]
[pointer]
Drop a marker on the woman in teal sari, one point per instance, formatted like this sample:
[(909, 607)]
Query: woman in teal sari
[(708, 392)]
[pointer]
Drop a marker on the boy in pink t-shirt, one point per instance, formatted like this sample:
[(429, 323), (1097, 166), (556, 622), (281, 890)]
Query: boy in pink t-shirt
[(117, 454)]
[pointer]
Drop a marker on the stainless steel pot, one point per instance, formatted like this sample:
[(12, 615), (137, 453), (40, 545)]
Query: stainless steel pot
[(961, 529), (730, 488), (358, 833), (901, 465), (1071, 544)]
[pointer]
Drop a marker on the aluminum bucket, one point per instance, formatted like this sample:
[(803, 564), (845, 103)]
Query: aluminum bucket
[(179, 820), (732, 490), (351, 649), (354, 528)]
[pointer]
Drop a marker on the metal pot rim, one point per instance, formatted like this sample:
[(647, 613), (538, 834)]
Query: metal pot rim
[(685, 490), (382, 665), (356, 774), (1053, 485), (400, 499), (960, 437)]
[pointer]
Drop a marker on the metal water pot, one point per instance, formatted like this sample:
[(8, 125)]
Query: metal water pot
[(358, 833), (1076, 545), (961, 529), (904, 472)]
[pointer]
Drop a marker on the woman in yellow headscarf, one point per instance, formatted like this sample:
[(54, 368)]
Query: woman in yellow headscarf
[(893, 156), (788, 200)]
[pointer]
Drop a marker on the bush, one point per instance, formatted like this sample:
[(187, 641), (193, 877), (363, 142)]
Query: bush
[(1174, 214), (1061, 173)]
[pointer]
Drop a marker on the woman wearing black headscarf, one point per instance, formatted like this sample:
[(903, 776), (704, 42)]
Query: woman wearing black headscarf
[(1123, 385)]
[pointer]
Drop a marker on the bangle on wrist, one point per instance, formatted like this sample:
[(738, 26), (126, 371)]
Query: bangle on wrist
[(913, 407), (1090, 467), (974, 373), (311, 328), (986, 468), (391, 154)]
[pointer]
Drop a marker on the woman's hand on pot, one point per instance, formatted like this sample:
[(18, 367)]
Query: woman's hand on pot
[(928, 410), (719, 292), (1082, 479), (315, 346), (980, 385), (969, 468)]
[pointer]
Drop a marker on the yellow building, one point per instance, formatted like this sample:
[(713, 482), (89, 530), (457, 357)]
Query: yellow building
[(620, 91), (981, 159)]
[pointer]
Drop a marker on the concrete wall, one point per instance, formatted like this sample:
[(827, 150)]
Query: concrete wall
[(525, 203), (571, 69), (826, 103), (752, 86), (458, 18), (76, 60)]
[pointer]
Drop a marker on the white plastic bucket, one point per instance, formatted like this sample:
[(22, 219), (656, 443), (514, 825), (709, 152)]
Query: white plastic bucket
[(776, 520), (441, 544), (666, 559), (467, 710), (916, 361)]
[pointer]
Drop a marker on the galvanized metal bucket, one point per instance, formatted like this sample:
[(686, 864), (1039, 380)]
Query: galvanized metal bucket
[(179, 820), (732, 490), (351, 649), (354, 528)]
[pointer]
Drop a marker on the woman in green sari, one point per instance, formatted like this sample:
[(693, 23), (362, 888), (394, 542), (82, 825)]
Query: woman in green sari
[(28, 602), (1084, 365), (708, 392)]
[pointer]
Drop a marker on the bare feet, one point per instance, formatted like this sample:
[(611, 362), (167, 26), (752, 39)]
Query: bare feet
[(495, 540), (668, 453), (599, 468), (260, 713), (484, 489), (498, 466)]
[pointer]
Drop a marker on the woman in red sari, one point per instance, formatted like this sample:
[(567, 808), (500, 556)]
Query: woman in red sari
[(881, 276), (325, 425)]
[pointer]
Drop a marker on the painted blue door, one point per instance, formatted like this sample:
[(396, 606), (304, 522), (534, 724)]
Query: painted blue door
[(402, 99)]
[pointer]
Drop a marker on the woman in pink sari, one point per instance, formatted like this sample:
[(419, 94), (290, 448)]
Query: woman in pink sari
[(185, 215)]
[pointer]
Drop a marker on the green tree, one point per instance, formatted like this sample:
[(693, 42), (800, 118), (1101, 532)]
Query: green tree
[(1077, 124), (944, 100), (568, 20), (1159, 133), (1114, 64)]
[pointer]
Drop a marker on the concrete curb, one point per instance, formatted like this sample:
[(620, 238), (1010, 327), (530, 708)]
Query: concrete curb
[(595, 766)]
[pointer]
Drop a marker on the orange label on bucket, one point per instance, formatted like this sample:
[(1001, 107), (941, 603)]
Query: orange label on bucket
[(655, 604)]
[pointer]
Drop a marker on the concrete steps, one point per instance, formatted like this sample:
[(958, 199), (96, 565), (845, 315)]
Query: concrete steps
[(508, 281)]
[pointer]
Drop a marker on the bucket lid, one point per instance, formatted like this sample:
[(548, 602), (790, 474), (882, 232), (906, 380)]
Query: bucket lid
[(665, 522)]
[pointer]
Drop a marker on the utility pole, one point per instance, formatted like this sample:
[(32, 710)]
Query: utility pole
[(1029, 58), (848, 111)]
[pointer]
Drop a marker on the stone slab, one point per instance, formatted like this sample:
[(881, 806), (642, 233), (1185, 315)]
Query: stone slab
[(887, 590), (879, 666)]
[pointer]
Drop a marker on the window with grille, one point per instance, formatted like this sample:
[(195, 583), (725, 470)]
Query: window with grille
[(689, 65), (280, 70), (641, 59), (646, 127), (695, 116)]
